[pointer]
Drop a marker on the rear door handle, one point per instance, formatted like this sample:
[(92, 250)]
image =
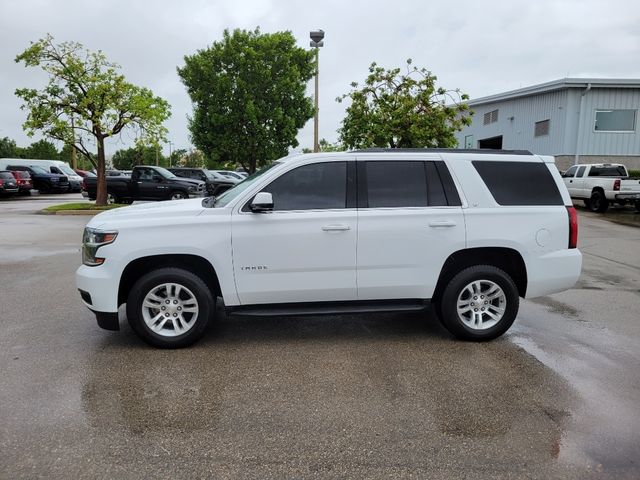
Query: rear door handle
[(442, 223), (335, 228)]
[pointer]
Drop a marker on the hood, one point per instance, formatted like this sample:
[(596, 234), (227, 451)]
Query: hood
[(149, 212)]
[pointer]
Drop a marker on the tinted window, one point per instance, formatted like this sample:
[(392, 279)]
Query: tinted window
[(581, 171), (7, 175), (519, 183), (571, 172), (435, 191), (608, 171), (396, 184), (317, 186)]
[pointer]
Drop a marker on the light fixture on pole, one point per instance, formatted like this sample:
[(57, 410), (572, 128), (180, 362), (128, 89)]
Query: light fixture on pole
[(316, 42)]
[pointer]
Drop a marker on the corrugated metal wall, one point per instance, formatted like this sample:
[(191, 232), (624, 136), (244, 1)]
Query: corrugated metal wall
[(517, 118), (593, 142), (516, 123)]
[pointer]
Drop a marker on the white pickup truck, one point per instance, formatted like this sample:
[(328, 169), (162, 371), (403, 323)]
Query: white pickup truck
[(600, 184)]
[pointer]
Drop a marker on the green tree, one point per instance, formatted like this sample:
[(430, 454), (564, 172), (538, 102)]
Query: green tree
[(8, 148), (176, 156), (42, 150), (248, 94), (84, 85), (402, 110), (128, 158)]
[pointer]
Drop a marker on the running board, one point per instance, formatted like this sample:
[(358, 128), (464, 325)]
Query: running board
[(329, 308)]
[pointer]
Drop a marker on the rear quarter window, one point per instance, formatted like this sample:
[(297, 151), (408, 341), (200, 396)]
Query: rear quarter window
[(519, 183)]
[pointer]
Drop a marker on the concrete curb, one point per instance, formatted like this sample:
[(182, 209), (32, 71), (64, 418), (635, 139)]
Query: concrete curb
[(72, 212)]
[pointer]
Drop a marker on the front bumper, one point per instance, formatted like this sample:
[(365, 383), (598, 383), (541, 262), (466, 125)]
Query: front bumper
[(98, 287)]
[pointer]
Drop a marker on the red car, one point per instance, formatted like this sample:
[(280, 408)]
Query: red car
[(23, 179), (8, 185)]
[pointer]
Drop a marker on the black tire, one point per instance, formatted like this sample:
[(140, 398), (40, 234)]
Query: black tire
[(112, 198), (598, 202), (126, 201), (453, 322), (637, 205), (44, 188), (178, 195), (187, 280)]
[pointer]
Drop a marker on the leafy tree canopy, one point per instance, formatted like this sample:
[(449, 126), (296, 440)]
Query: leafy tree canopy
[(87, 90), (42, 150), (402, 110), (248, 94), (128, 158)]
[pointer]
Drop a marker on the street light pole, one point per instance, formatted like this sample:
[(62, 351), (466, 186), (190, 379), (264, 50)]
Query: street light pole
[(316, 42)]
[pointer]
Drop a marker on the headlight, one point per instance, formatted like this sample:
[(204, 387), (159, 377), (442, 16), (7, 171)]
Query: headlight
[(92, 240), (192, 188)]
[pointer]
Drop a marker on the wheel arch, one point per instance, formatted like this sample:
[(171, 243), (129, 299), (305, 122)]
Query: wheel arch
[(194, 263), (504, 258)]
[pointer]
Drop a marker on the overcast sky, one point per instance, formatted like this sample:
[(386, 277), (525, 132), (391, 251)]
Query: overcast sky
[(481, 47)]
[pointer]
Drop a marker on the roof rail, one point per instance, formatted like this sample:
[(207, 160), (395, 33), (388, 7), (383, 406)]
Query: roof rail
[(484, 151)]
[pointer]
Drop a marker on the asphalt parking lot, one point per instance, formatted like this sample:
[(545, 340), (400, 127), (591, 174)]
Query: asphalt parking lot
[(355, 396)]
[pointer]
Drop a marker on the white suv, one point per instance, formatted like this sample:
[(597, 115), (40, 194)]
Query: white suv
[(468, 232)]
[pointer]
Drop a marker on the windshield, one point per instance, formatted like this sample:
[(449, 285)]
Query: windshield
[(164, 172), (66, 169), (232, 193)]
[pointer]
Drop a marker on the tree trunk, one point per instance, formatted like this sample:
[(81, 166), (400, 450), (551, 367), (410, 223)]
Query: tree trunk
[(101, 194)]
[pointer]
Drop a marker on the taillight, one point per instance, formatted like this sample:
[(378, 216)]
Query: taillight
[(573, 227), (1, 182), (616, 184)]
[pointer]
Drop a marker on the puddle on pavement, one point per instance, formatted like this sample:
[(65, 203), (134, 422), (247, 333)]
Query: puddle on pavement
[(603, 430)]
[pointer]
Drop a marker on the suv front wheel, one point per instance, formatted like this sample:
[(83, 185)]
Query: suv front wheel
[(480, 303), (170, 307)]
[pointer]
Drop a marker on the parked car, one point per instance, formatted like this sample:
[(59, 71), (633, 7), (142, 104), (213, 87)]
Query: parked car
[(229, 174), (600, 184), (23, 179), (43, 180), (85, 173), (53, 166), (115, 173), (145, 183), (462, 231), (8, 184), (215, 184)]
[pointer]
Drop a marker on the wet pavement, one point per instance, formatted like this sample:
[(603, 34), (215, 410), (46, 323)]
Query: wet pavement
[(354, 396)]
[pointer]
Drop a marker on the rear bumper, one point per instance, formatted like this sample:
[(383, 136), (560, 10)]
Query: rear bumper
[(553, 272), (628, 196)]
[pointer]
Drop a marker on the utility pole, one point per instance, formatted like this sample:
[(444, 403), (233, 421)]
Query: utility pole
[(316, 42)]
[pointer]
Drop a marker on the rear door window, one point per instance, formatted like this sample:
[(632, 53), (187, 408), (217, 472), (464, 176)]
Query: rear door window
[(519, 183), (398, 184)]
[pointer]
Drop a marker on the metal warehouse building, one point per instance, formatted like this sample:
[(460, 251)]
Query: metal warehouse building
[(578, 120)]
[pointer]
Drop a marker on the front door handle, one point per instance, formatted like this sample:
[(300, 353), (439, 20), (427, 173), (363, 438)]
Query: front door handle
[(442, 223), (335, 228)]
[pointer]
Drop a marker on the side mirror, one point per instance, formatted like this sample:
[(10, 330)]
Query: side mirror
[(262, 202)]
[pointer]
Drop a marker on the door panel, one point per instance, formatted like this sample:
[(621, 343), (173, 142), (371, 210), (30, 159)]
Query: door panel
[(402, 250), (295, 256)]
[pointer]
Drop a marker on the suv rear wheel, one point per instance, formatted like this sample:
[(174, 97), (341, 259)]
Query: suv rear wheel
[(480, 303), (170, 307)]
